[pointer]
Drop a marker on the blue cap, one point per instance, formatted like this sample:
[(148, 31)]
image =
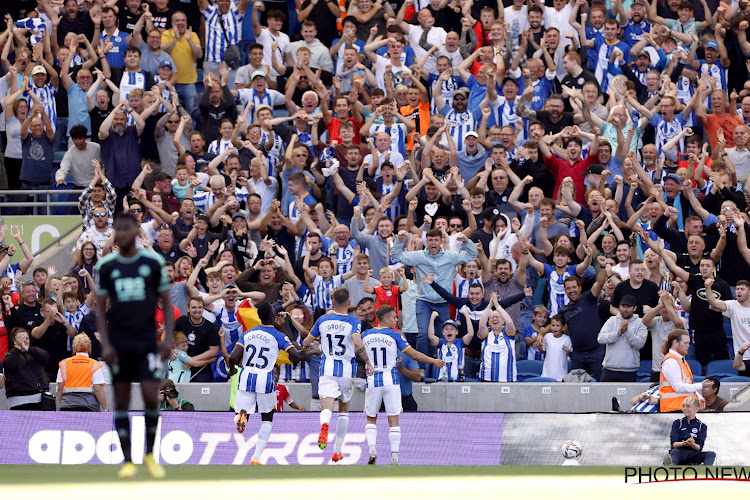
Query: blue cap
[(711, 44), (165, 62), (450, 322), (674, 177)]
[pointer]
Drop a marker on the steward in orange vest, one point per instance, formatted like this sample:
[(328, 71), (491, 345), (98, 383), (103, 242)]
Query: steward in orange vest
[(676, 380), (80, 379)]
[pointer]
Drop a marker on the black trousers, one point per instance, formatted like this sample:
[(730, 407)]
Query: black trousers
[(408, 404), (614, 376), (691, 457)]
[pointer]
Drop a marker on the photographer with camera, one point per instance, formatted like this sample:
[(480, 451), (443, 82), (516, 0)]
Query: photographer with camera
[(170, 400)]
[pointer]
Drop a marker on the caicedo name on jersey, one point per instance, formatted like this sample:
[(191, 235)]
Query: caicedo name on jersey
[(260, 336)]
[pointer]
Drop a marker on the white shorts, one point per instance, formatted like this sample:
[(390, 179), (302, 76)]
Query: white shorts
[(246, 400), (335, 388), (389, 394)]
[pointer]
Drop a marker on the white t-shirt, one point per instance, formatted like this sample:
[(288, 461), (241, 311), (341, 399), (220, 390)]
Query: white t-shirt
[(436, 36), (95, 237), (622, 271), (555, 358), (266, 39), (739, 317), (396, 71), (518, 20), (267, 193), (659, 333)]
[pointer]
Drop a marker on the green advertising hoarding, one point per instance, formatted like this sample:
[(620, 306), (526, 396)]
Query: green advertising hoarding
[(38, 231)]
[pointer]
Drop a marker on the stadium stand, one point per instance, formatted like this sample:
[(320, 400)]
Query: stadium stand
[(521, 172)]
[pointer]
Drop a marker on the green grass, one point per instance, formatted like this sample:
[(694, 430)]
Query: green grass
[(44, 474)]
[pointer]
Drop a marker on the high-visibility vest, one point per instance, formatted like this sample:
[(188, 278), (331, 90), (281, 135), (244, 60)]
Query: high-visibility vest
[(669, 400), (78, 373)]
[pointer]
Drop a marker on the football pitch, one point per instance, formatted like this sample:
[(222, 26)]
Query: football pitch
[(383, 482)]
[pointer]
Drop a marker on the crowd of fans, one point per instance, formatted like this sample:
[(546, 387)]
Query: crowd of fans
[(563, 182)]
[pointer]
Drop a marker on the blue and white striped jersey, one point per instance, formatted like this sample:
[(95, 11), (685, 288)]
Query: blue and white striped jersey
[(218, 146), (203, 200), (462, 285), (323, 288), (382, 346), (453, 356), (334, 331), (498, 358), (276, 154), (397, 131), (230, 322), (666, 131), (645, 406), (556, 287), (261, 346), (717, 71), (216, 41), (345, 257), (47, 95), (76, 317), (461, 123), (270, 97), (130, 81)]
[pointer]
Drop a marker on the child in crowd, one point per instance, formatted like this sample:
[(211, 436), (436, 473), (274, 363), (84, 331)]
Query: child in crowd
[(451, 349), (386, 294), (323, 280), (181, 182), (467, 274), (163, 74), (557, 348), (179, 361), (530, 335), (72, 308)]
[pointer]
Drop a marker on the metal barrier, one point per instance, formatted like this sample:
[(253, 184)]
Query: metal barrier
[(12, 200)]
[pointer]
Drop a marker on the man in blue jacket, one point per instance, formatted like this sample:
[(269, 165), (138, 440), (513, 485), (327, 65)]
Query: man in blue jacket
[(442, 265)]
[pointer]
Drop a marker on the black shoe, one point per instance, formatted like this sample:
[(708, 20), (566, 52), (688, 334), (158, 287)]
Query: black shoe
[(615, 404)]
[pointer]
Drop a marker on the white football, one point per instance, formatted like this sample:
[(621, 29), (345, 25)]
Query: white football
[(572, 449)]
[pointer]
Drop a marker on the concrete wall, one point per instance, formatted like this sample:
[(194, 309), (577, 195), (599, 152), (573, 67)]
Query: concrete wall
[(444, 397)]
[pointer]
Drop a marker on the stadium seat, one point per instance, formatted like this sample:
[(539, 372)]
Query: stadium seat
[(720, 368), (695, 366), (645, 369), (471, 379), (644, 379), (526, 368), (736, 378), (540, 379), (429, 380), (698, 378)]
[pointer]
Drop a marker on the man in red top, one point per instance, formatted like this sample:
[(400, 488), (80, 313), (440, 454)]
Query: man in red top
[(719, 119), (343, 109), (574, 167)]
